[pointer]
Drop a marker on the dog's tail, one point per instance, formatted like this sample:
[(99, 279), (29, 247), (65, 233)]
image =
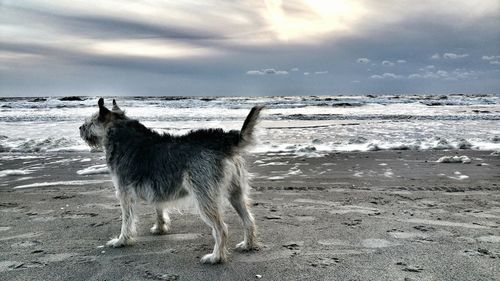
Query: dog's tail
[(247, 131)]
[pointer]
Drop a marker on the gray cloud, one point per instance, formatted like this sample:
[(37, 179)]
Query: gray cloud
[(492, 59), (449, 56), (112, 26), (255, 72), (268, 71), (387, 76), (363, 60), (454, 56), (456, 74)]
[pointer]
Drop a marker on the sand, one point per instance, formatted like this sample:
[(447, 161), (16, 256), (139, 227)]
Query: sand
[(384, 215)]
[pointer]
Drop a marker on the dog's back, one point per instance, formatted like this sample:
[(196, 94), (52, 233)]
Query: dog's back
[(130, 133)]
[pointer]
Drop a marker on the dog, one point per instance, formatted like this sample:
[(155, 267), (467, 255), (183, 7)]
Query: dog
[(206, 164)]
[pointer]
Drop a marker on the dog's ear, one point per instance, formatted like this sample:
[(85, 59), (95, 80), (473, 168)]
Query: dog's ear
[(115, 106), (103, 111)]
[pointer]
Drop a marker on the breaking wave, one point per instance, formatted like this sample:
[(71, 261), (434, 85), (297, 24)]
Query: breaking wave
[(41, 145), (291, 125)]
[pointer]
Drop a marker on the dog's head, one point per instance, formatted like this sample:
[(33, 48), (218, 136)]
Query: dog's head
[(94, 128)]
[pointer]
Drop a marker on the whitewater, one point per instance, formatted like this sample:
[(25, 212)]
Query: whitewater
[(298, 125)]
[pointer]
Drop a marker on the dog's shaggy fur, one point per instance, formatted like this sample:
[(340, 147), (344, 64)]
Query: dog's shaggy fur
[(205, 164)]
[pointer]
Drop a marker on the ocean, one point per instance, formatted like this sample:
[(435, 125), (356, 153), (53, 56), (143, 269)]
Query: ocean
[(294, 125)]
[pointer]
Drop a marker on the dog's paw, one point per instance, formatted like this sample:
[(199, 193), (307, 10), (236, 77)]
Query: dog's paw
[(211, 259), (159, 229), (118, 242), (245, 247)]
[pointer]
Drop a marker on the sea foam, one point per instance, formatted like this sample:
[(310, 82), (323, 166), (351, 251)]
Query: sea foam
[(96, 169), (296, 125)]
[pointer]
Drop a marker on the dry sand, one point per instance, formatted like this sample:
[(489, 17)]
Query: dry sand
[(386, 215)]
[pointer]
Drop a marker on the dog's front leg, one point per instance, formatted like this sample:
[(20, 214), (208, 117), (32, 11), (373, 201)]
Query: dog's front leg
[(128, 230), (162, 221)]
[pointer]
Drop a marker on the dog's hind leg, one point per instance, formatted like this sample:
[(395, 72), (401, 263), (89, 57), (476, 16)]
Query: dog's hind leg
[(162, 221), (238, 196), (211, 214), (128, 230), (213, 218)]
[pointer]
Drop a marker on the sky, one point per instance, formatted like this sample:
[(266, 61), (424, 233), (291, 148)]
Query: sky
[(248, 47)]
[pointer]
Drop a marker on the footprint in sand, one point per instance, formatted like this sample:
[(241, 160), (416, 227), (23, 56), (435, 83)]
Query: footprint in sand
[(26, 244), (482, 252), (410, 268), (324, 262), (16, 265), (160, 276), (305, 218)]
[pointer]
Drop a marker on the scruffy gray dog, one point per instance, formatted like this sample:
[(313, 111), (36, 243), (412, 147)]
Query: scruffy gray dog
[(206, 164)]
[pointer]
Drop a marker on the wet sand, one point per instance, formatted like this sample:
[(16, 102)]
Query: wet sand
[(385, 215)]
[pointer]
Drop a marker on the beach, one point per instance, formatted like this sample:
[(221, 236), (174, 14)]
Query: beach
[(376, 215), (370, 133)]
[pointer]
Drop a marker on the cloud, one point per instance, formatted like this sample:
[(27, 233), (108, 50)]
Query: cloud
[(307, 73), (401, 61), (449, 56), (424, 75), (415, 76), (363, 60), (453, 56), (294, 69), (457, 74), (270, 71), (387, 76), (462, 73), (427, 67), (442, 73), (387, 63), (490, 57), (267, 71), (255, 72), (436, 56)]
